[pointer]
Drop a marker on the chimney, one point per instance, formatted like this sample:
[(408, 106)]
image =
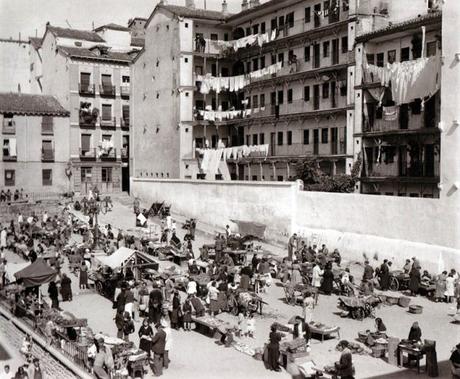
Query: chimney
[(245, 5), (190, 4), (253, 3), (224, 8)]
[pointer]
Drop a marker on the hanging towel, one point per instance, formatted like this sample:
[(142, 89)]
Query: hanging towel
[(391, 113), (12, 149)]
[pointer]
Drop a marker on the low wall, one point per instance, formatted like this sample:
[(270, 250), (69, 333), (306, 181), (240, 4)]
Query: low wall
[(375, 226)]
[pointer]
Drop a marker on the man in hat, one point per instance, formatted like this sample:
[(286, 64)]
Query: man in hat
[(158, 348)]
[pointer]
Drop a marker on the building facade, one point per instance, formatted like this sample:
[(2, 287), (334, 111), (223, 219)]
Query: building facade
[(89, 72), (35, 143), (397, 132), (14, 65)]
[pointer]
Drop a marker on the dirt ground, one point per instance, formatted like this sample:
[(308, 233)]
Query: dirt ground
[(196, 356)]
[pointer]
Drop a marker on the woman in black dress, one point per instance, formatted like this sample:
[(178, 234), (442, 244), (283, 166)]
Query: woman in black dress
[(187, 311), (176, 310), (66, 289), (328, 279), (54, 295), (145, 336), (274, 350)]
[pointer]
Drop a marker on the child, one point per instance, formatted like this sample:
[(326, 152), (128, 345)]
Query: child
[(251, 323)]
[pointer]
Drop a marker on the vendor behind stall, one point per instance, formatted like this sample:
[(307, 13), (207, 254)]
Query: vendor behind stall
[(344, 366)]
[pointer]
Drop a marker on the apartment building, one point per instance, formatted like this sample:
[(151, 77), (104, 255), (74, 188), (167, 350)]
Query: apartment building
[(397, 131), (35, 143), (89, 73)]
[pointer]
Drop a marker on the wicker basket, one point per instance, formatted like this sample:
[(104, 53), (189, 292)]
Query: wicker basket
[(404, 301), (378, 351), (392, 300), (416, 309), (362, 337)]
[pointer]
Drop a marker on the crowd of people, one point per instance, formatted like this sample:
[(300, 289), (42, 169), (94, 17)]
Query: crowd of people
[(12, 195)]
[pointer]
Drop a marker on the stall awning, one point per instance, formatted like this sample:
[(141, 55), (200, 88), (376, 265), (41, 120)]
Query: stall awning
[(118, 258), (36, 274), (246, 228)]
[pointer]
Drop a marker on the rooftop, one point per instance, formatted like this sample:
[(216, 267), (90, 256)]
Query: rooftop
[(130, 22), (421, 20), (112, 26), (31, 105), (85, 35), (194, 13), (138, 42), (36, 42), (95, 54)]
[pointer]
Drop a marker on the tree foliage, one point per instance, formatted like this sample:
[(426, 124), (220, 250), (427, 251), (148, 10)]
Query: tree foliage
[(315, 179)]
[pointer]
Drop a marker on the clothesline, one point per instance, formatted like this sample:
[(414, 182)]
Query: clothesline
[(409, 80), (235, 152), (224, 115), (252, 39), (234, 83)]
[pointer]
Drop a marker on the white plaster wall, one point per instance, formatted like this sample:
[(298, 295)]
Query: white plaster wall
[(391, 227)]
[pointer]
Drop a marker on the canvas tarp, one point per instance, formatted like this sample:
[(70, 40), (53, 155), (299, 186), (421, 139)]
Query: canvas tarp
[(36, 274), (117, 259), (246, 228)]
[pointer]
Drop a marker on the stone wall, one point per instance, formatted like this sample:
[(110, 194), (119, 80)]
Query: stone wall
[(384, 226)]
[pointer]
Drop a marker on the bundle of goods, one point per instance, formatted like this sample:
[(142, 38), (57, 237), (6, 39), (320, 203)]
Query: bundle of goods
[(297, 345), (392, 300), (243, 348), (282, 327), (356, 348)]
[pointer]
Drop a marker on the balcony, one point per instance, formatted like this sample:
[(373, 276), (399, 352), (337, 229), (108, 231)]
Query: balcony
[(88, 154), (208, 49), (107, 155), (9, 126), (9, 158), (86, 89), (47, 155), (87, 121), (47, 127), (124, 154), (110, 123), (125, 123), (107, 90), (124, 92)]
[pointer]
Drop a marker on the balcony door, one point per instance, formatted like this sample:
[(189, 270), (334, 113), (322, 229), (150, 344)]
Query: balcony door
[(334, 140), (315, 141), (272, 143), (316, 55)]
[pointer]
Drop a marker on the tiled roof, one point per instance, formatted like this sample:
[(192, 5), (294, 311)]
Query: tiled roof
[(85, 35), (194, 13), (136, 19), (255, 9), (35, 42), (138, 42), (83, 53), (429, 18), (113, 26), (31, 105)]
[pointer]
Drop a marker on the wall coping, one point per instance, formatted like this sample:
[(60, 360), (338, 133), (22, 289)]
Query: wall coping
[(218, 182)]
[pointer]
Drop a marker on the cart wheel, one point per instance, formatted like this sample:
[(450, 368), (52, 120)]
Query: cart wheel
[(394, 284), (99, 288), (357, 314)]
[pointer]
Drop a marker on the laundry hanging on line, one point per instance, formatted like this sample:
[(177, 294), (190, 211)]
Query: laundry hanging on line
[(240, 43)]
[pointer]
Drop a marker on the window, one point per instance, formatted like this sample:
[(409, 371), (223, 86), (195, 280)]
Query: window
[(289, 137), (9, 148), (325, 90), (255, 64), (214, 69), (316, 97), (47, 177), (306, 136), (255, 101), (125, 112), (255, 139), (317, 11), (281, 21), (405, 54), (273, 58), (280, 138), (255, 29), (214, 37), (85, 142), (262, 100), (262, 27), (225, 36), (281, 58), (10, 177), (248, 31), (106, 112), (248, 102), (106, 174), (431, 48), (274, 23), (370, 58), (307, 53), (289, 95), (254, 178), (326, 7), (324, 135), (344, 45), (125, 79), (262, 62), (262, 138), (224, 71), (86, 174), (343, 88), (248, 140), (280, 97), (47, 149), (248, 67), (306, 93), (106, 80), (326, 45), (290, 19), (47, 125), (335, 51), (307, 14), (186, 60), (107, 137), (391, 56), (345, 5), (85, 79), (380, 59)]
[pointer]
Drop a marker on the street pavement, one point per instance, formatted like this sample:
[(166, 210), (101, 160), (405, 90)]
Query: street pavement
[(196, 356)]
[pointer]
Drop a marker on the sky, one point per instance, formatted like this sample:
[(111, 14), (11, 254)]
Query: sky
[(29, 17)]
